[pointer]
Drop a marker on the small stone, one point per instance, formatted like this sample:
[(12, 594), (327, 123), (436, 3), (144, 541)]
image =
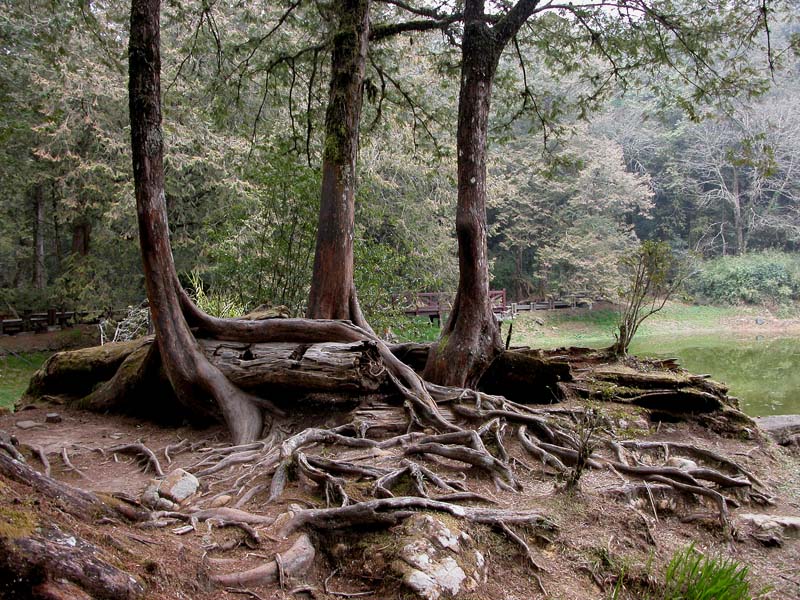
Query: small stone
[(178, 485), (684, 464), (115, 436), (183, 530), (28, 424), (220, 501), (53, 418)]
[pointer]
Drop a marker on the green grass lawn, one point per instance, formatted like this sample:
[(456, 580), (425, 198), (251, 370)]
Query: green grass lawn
[(582, 327), (15, 371), (595, 328)]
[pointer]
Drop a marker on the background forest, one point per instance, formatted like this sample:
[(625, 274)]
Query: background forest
[(579, 173)]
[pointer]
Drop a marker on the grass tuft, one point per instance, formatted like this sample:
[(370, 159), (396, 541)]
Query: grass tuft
[(692, 576)]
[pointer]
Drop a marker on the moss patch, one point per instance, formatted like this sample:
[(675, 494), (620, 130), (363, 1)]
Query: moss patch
[(17, 521)]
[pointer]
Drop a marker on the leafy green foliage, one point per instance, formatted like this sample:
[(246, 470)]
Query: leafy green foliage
[(263, 251), (654, 272), (692, 576), (216, 303), (561, 223), (756, 278), (404, 236)]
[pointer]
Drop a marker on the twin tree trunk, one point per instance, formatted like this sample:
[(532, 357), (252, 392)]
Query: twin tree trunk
[(332, 294), (471, 338)]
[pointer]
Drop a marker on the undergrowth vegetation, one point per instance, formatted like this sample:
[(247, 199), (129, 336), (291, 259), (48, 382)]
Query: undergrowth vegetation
[(692, 576), (771, 278)]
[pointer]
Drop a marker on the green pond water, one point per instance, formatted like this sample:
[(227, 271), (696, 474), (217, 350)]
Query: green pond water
[(763, 372)]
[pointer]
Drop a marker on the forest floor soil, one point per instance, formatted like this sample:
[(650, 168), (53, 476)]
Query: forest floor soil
[(604, 547), (602, 544)]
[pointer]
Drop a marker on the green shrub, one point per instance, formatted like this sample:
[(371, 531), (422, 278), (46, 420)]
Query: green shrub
[(757, 278), (692, 576)]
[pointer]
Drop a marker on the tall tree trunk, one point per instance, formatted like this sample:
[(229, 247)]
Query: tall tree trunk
[(332, 294), (39, 275), (198, 385), (56, 227), (471, 338), (738, 221), (81, 234)]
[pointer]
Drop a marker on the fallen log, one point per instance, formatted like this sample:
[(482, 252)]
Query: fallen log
[(128, 378), (334, 368)]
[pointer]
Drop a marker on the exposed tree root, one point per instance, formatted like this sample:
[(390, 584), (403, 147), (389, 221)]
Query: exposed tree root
[(38, 559), (295, 561), (395, 459), (137, 449)]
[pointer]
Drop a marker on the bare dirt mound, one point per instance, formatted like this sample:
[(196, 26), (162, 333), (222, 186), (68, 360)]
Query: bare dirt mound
[(601, 536)]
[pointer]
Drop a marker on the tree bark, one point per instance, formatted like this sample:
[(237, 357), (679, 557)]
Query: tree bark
[(198, 385), (332, 294), (471, 338), (39, 275), (738, 221), (127, 377), (81, 234)]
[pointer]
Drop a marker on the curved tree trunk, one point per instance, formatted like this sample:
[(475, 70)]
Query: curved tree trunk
[(198, 385), (471, 337), (332, 294)]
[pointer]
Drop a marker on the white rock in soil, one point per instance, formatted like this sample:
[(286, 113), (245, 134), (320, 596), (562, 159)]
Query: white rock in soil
[(220, 501), (684, 464), (786, 524), (434, 561), (178, 485)]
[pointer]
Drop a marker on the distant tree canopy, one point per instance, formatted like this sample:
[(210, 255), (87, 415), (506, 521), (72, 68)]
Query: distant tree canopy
[(245, 90)]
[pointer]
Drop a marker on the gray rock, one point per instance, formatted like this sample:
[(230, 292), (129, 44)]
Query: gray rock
[(684, 464), (178, 485), (434, 561), (152, 499), (53, 418), (771, 530), (28, 424), (781, 427)]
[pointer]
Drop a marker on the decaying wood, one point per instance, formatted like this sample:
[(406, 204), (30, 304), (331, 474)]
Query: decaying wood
[(353, 368), (524, 378), (50, 554), (337, 371)]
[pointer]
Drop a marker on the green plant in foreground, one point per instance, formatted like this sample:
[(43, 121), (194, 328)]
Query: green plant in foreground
[(692, 576), (214, 303)]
